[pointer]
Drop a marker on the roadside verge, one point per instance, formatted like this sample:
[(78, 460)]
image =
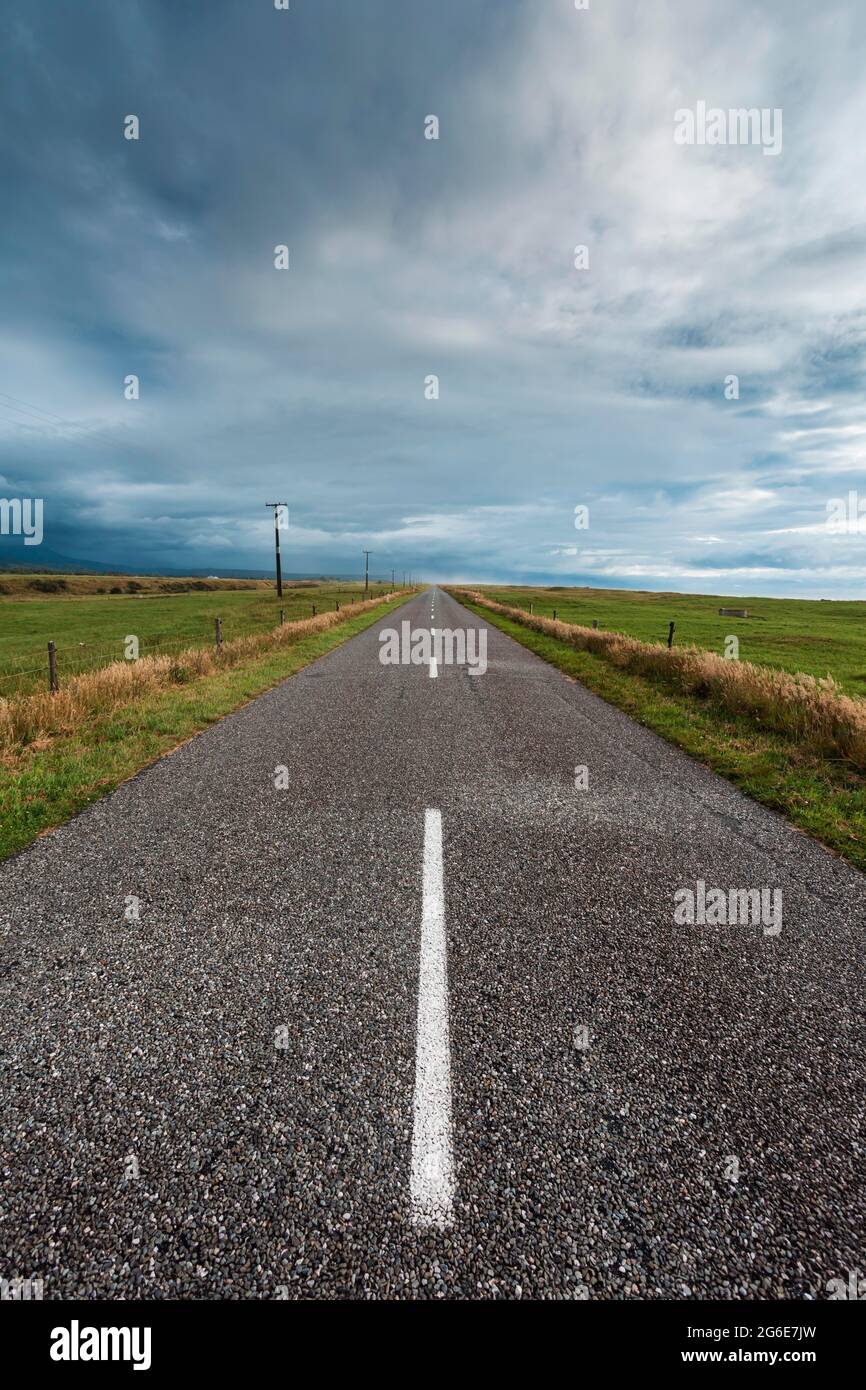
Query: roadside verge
[(59, 753), (802, 760)]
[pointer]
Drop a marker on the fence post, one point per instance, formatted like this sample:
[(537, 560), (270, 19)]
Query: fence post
[(282, 616), (337, 609), (595, 623), (671, 635), (218, 633), (530, 608), (52, 668), (554, 615), (314, 610)]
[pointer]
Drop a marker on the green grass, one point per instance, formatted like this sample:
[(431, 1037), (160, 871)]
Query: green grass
[(809, 635), (90, 630), (55, 782), (823, 798)]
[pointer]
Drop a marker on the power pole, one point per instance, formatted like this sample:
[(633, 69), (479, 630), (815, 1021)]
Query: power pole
[(277, 507), (393, 581), (367, 554)]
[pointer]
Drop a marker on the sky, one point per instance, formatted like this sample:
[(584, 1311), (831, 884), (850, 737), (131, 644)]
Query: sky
[(600, 386)]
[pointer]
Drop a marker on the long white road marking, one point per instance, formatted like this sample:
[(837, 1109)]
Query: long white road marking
[(431, 1185)]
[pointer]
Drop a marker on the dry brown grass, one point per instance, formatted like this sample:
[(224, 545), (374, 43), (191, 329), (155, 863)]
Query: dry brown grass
[(15, 585), (28, 720), (815, 713)]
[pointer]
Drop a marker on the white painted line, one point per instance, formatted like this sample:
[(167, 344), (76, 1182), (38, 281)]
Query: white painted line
[(434, 667), (431, 1185)]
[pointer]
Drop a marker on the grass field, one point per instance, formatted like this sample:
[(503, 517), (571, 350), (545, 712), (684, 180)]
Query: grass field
[(26, 585), (821, 793), (815, 636), (90, 628)]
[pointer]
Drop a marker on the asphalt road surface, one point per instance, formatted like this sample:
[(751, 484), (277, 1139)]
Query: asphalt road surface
[(413, 1018)]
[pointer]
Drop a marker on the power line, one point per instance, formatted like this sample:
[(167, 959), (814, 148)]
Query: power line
[(48, 414)]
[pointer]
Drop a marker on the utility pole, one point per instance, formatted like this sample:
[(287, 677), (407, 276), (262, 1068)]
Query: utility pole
[(277, 506), (367, 554), (393, 581)]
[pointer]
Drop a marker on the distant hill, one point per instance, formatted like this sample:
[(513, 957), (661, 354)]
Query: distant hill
[(41, 559), (14, 555)]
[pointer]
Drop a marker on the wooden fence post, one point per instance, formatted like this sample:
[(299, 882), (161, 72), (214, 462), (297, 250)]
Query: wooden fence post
[(52, 668), (314, 610), (671, 635), (218, 633), (282, 616), (595, 624)]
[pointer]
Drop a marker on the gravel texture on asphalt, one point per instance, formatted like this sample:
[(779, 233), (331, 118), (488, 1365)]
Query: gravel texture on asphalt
[(215, 1100)]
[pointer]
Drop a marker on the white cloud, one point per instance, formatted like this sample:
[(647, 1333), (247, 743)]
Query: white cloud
[(558, 386)]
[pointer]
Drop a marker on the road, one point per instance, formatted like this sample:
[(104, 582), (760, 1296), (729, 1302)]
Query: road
[(418, 1021)]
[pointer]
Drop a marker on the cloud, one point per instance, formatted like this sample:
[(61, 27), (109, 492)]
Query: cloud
[(453, 258)]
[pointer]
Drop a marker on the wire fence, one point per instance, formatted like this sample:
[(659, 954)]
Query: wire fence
[(86, 656), (65, 662), (62, 662)]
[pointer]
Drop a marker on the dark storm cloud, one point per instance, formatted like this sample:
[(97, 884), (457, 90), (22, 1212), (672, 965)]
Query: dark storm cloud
[(451, 257)]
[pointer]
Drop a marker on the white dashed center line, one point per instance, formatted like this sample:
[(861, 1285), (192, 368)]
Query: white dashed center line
[(431, 1184)]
